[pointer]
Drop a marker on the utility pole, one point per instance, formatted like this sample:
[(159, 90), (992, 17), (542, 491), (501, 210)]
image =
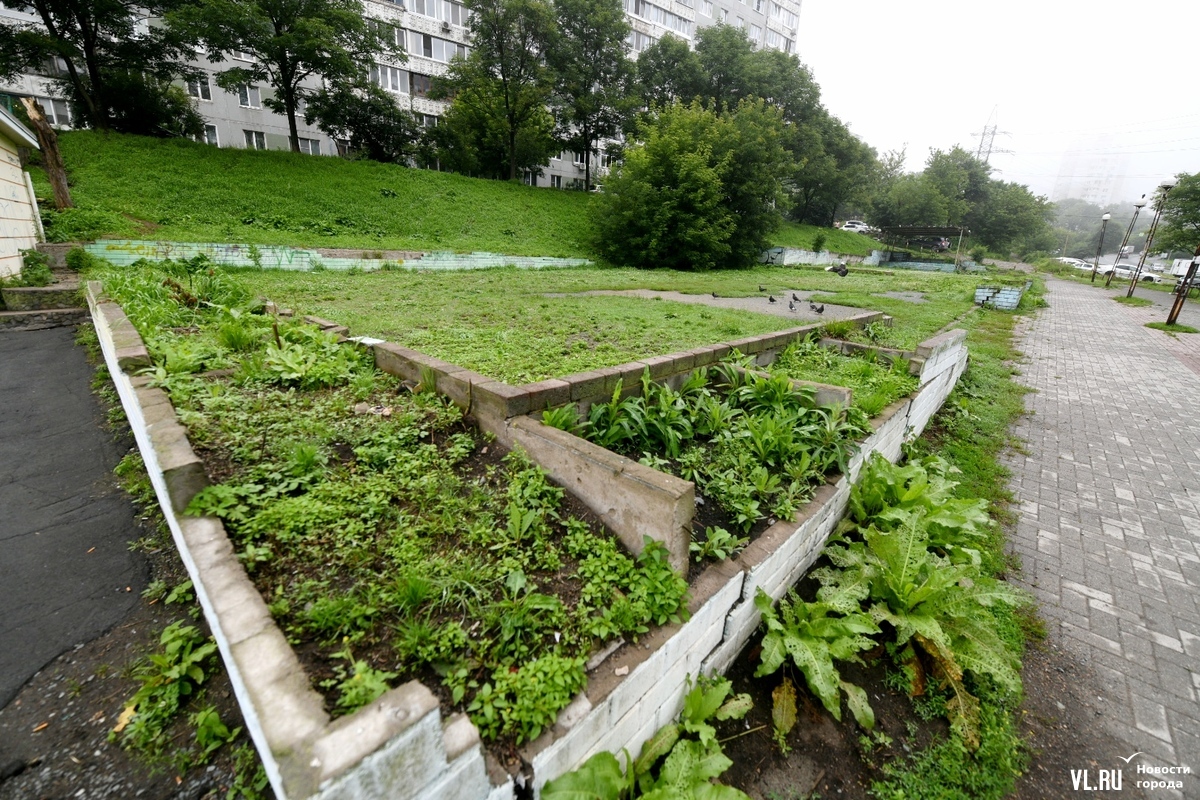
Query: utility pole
[(1185, 286)]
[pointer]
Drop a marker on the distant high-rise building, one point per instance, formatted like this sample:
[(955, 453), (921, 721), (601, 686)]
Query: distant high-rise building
[(1092, 171)]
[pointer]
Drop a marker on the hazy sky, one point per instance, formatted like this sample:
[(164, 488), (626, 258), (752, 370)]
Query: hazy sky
[(1115, 80)]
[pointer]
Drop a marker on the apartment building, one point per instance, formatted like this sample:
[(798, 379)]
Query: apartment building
[(431, 32)]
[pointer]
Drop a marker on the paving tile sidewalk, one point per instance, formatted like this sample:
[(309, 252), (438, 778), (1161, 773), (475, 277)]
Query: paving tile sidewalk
[(1109, 514)]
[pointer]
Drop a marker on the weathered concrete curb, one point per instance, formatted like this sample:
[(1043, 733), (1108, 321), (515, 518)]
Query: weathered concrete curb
[(398, 747)]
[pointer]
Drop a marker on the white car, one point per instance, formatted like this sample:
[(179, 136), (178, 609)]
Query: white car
[(856, 226), (1125, 272), (1074, 262)]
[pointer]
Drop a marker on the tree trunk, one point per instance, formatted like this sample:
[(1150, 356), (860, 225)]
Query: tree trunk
[(51, 157)]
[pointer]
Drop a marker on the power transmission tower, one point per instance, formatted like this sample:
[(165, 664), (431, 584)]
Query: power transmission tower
[(987, 139)]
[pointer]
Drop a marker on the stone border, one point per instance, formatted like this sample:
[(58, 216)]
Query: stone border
[(399, 747)]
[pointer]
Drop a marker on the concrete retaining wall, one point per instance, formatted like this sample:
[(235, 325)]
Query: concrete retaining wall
[(125, 252), (399, 747)]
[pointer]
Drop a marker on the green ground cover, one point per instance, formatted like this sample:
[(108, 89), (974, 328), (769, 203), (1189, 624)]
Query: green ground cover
[(794, 234), (391, 540), (876, 384), (501, 323), (178, 190)]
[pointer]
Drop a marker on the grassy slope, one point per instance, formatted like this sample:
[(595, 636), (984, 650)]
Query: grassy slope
[(192, 192), (177, 190)]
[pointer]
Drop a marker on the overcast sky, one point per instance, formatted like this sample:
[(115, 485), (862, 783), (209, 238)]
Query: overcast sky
[(1104, 79)]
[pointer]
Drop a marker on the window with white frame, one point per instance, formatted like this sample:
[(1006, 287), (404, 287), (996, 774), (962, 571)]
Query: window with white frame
[(210, 136), (577, 158), (706, 8), (661, 16), (529, 178), (755, 34), (199, 88), (58, 112), (556, 181), (724, 15), (444, 10), (255, 140), (242, 55), (310, 146), (639, 41), (248, 97), (388, 32), (391, 79)]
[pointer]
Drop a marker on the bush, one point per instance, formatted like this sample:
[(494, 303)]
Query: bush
[(978, 254), (699, 192), (81, 260), (35, 270)]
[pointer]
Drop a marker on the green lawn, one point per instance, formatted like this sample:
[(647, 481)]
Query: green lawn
[(177, 190), (500, 323)]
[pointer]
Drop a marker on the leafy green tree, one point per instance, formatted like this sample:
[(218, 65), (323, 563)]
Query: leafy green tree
[(833, 167), (669, 70), (698, 191), (592, 74), (1179, 229), (289, 40), (115, 71), (1012, 219), (911, 200), (725, 54), (473, 137), (374, 124), (963, 180), (505, 80)]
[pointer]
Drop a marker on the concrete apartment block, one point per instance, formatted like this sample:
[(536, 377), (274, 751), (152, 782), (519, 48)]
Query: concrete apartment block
[(399, 746)]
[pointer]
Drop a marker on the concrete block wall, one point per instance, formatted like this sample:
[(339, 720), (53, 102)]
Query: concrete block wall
[(126, 251), (397, 747)]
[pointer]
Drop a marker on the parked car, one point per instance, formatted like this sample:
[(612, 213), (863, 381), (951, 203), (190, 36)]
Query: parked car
[(937, 244), (856, 226), (1125, 272), (1074, 262)]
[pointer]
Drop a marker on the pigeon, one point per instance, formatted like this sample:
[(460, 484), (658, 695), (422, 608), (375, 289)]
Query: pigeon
[(819, 309), (761, 288), (797, 299), (714, 294), (771, 298), (840, 269), (812, 305), (791, 306)]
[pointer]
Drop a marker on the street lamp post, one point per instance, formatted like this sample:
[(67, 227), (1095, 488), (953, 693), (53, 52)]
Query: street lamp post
[(1138, 205), (1185, 286), (1164, 189), (1100, 247)]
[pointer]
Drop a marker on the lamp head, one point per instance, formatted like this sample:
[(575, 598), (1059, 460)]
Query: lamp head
[(1106, 217), (1168, 184), (1140, 202)]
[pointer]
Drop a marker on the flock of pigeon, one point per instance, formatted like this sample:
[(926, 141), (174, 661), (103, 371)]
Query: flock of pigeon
[(841, 271)]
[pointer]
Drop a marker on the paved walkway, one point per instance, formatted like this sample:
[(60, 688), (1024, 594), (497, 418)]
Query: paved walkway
[(65, 564), (1109, 525)]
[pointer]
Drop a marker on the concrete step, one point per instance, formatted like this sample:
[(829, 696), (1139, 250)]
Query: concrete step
[(64, 294), (57, 252), (41, 318)]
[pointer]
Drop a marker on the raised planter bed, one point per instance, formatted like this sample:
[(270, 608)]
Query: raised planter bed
[(399, 746)]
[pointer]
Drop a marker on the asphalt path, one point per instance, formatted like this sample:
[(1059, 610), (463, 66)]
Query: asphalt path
[(66, 571)]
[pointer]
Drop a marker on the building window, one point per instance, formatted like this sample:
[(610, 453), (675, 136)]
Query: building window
[(255, 140), (755, 34), (210, 136), (444, 10), (200, 89), (577, 158), (58, 112), (419, 85), (706, 8), (639, 41), (741, 23), (390, 78), (724, 15), (529, 178), (248, 97), (758, 5), (427, 120), (242, 55), (310, 146), (556, 181)]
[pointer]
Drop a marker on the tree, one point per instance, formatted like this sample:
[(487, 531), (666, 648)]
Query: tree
[(725, 55), (114, 68), (669, 70), (1179, 229), (911, 200), (833, 167), (474, 137), (505, 79), (592, 74), (369, 118), (289, 40), (697, 191)]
